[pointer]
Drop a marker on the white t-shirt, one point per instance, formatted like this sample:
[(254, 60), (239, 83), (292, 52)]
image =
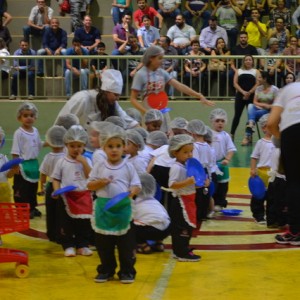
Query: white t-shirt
[(49, 162), (222, 143), (139, 163), (263, 152), (3, 160), (289, 99), (26, 145), (70, 172), (123, 177), (162, 156), (98, 156), (202, 152)]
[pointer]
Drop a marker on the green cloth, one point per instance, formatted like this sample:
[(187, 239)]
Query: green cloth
[(114, 221), (30, 170)]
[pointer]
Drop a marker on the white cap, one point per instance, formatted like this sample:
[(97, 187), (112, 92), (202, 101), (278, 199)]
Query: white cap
[(112, 81)]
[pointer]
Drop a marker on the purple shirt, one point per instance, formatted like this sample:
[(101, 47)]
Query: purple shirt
[(120, 31)]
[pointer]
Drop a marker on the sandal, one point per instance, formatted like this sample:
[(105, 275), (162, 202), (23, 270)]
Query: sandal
[(143, 249), (158, 247)]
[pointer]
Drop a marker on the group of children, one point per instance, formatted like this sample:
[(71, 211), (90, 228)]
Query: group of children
[(121, 163)]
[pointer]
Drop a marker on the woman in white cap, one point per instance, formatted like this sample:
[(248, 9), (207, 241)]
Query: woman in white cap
[(150, 82), (94, 105)]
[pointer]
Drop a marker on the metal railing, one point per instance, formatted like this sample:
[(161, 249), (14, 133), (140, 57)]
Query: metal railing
[(213, 84)]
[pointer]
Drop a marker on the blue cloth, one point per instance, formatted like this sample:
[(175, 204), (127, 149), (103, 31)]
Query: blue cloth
[(87, 38), (76, 62), (53, 40)]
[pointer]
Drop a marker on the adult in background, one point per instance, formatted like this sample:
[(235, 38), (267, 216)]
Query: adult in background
[(88, 35), (196, 9), (97, 105), (284, 124), (210, 34), (169, 8), (181, 35), (4, 63), (5, 34), (147, 35), (55, 42), (118, 8), (39, 19), (292, 65), (245, 84)]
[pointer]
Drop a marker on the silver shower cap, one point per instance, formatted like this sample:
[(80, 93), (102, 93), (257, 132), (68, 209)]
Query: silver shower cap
[(67, 120), (117, 121), (98, 125), (218, 113), (157, 138), (153, 115), (27, 106), (134, 114), (178, 141), (151, 52), (197, 127), (148, 185), (179, 123), (133, 136), (76, 134), (208, 137), (263, 120), (55, 136), (142, 131), (112, 131)]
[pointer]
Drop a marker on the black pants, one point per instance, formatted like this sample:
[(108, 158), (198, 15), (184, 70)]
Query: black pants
[(144, 233), (181, 231), (202, 203), (277, 202), (239, 105), (221, 193), (126, 245), (74, 232), (25, 191), (290, 149), (258, 207)]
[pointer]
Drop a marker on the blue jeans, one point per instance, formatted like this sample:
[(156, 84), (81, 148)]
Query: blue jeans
[(189, 18), (41, 62), (254, 113), (84, 73), (20, 75), (28, 30)]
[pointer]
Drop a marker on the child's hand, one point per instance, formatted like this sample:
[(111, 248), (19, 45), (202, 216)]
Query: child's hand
[(190, 180), (134, 191), (207, 182), (80, 158), (253, 172)]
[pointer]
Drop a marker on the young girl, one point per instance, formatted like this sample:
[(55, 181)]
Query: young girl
[(54, 138), (153, 120), (113, 226), (134, 144), (76, 208), (27, 145), (224, 148), (183, 206)]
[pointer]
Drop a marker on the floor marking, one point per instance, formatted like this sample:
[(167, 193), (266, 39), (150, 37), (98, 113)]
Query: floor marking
[(163, 281)]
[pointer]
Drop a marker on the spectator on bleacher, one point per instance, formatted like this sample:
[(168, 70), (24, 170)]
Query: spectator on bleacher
[(210, 34), (98, 65), (169, 65), (76, 67), (281, 12), (39, 20), (118, 8), (130, 66), (54, 43), (88, 35), (4, 63), (75, 13), (181, 35), (227, 12), (261, 6), (273, 65), (145, 9), (169, 8), (296, 21), (279, 32), (24, 68), (196, 9), (194, 67), (5, 34), (4, 13), (245, 7), (292, 65), (255, 29), (147, 35)]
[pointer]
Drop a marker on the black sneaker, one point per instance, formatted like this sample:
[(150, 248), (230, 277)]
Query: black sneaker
[(127, 278), (189, 257), (288, 239), (103, 277), (37, 213)]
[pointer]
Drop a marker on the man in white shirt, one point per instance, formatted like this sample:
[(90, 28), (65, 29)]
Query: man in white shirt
[(38, 20), (210, 34), (181, 35)]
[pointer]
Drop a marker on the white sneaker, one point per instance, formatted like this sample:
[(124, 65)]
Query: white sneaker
[(210, 215), (12, 97), (30, 97), (85, 251), (70, 252), (218, 208)]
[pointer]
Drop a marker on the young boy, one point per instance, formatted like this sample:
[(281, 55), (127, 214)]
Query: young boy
[(260, 165), (27, 145), (224, 148), (153, 120), (113, 226), (76, 208)]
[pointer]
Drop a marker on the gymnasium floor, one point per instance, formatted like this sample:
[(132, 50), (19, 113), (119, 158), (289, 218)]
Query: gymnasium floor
[(239, 261)]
